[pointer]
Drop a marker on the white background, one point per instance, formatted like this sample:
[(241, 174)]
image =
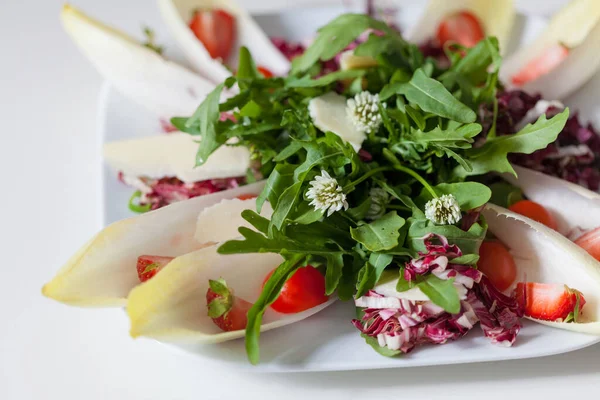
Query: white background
[(50, 201)]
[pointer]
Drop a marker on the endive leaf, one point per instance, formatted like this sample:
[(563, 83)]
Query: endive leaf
[(103, 272), (136, 71), (544, 255), (172, 307)]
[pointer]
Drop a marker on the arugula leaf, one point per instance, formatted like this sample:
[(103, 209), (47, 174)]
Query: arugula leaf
[(204, 122), (492, 156), (333, 274), (441, 292), (381, 234), (325, 80), (335, 36), (246, 67), (259, 222), (466, 259), (504, 194), (281, 178), (369, 275), (269, 294), (468, 241), (431, 96)]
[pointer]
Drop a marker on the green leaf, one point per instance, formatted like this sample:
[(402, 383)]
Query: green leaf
[(335, 36), (269, 294), (466, 259), (441, 292), (246, 66), (219, 306), (504, 194), (325, 80), (286, 204), (335, 264), (403, 285), (492, 156), (219, 286), (431, 96), (369, 275), (150, 267), (205, 119), (468, 241), (381, 234), (259, 222), (281, 178)]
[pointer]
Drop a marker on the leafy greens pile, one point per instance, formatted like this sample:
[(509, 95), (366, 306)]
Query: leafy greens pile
[(428, 145)]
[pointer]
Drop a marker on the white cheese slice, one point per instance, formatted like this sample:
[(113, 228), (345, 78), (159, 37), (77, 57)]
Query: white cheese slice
[(135, 71), (221, 221), (328, 113), (174, 154), (177, 15)]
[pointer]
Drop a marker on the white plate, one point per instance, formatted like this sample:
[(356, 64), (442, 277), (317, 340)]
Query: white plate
[(326, 341)]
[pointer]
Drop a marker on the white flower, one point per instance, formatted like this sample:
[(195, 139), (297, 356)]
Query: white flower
[(326, 193), (379, 201), (363, 111), (443, 210)]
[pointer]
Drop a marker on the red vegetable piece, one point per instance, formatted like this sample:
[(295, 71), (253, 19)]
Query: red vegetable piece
[(541, 64), (304, 290), (216, 30), (463, 28)]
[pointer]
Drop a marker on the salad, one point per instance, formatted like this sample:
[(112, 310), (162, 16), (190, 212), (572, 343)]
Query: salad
[(377, 171)]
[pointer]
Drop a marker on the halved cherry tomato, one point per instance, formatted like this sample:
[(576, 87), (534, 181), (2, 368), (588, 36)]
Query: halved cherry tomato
[(304, 290), (535, 211), (463, 28), (497, 264), (590, 242), (265, 72), (541, 64), (216, 30), (246, 196)]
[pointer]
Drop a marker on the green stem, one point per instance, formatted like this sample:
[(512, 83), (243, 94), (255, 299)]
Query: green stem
[(398, 207), (418, 178), (372, 172)]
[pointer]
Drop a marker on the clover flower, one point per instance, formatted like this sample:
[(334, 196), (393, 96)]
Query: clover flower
[(326, 194), (363, 111), (443, 210)]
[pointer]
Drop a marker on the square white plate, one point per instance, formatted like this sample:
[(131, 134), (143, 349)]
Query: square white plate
[(326, 341)]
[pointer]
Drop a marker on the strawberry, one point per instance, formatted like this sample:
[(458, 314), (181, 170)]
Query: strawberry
[(590, 242), (550, 301), (148, 266), (216, 29), (227, 311)]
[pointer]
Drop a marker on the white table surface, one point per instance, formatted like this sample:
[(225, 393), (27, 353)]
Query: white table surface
[(49, 159)]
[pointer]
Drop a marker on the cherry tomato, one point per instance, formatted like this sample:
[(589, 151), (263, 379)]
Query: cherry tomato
[(216, 30), (265, 72), (541, 64), (590, 242), (246, 196), (463, 28), (535, 211), (304, 290), (497, 264)]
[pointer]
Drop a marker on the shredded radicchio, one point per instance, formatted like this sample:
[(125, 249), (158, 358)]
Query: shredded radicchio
[(413, 323), (574, 156), (161, 192)]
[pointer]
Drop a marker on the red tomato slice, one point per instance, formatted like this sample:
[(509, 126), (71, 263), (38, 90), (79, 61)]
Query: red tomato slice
[(216, 30), (304, 290), (265, 72), (463, 28), (497, 264), (535, 211), (541, 65), (590, 242)]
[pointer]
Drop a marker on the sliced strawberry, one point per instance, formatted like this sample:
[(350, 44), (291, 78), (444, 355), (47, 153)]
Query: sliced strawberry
[(228, 312), (590, 242), (541, 65), (550, 301), (216, 30), (463, 28), (148, 266)]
